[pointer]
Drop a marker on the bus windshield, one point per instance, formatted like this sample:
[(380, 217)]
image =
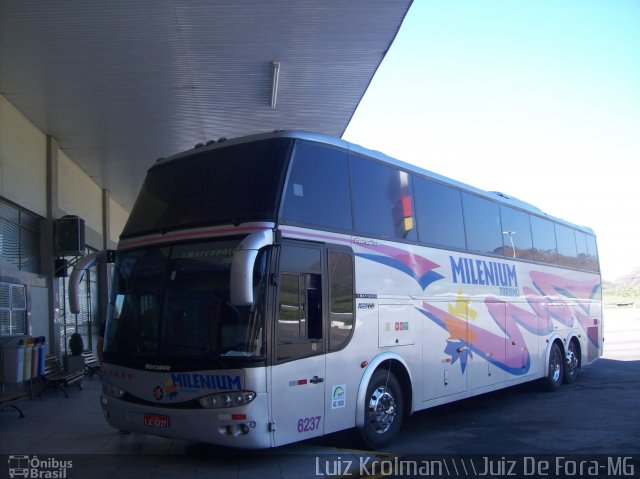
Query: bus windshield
[(230, 184), (172, 302)]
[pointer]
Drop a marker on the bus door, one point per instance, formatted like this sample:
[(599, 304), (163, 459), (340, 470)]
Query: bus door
[(298, 372)]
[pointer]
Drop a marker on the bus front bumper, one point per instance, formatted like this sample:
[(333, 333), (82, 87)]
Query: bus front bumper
[(243, 427)]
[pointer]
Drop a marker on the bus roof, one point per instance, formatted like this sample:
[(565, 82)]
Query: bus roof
[(340, 143)]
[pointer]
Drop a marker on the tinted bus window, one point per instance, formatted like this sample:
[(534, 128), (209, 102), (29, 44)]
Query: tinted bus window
[(318, 188), (382, 200), (516, 229), (566, 239), (482, 225), (544, 240), (592, 262), (439, 214), (341, 299), (582, 249), (231, 184)]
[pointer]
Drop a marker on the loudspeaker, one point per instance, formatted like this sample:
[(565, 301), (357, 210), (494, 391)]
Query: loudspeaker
[(69, 236)]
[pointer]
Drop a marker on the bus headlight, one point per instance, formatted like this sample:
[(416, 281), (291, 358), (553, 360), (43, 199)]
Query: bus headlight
[(112, 390), (228, 399)]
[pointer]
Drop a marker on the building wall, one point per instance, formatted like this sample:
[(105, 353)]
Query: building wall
[(23, 182), (23, 177), (79, 195), (23, 160), (118, 217)]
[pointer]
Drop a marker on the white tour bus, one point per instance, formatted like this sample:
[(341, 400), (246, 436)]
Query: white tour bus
[(277, 287)]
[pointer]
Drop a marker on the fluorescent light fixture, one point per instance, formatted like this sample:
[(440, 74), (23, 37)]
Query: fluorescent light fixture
[(274, 87)]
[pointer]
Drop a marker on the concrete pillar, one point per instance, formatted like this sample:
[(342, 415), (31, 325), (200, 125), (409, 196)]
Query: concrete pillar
[(48, 258), (104, 277)]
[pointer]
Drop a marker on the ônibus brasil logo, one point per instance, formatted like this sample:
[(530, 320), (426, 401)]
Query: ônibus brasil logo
[(36, 468)]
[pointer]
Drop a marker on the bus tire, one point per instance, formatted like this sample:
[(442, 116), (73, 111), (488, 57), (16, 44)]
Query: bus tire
[(384, 410), (555, 368), (572, 363)]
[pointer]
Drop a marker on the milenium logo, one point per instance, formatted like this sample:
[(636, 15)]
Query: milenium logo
[(36, 468)]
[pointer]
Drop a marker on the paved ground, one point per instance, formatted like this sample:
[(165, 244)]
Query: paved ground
[(598, 414), (74, 429)]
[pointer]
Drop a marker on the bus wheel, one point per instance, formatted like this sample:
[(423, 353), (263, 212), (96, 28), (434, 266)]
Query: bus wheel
[(384, 410), (553, 381), (572, 363)]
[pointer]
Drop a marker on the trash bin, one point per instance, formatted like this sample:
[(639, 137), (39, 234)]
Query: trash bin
[(28, 353), (42, 347), (13, 361), (35, 357)]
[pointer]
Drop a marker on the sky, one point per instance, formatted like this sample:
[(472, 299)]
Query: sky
[(539, 100)]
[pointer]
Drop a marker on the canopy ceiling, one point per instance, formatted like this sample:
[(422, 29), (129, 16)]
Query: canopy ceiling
[(121, 83)]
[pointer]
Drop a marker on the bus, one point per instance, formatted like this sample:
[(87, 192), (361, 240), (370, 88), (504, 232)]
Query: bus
[(277, 287)]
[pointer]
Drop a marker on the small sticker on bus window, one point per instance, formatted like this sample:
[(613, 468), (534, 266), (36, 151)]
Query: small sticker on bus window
[(298, 190)]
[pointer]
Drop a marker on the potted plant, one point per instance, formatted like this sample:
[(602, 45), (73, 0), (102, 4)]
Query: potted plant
[(76, 346), (75, 361)]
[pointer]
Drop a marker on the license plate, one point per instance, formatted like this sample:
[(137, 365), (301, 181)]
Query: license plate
[(154, 420)]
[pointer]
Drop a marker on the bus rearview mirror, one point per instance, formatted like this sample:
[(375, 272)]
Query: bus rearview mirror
[(242, 266)]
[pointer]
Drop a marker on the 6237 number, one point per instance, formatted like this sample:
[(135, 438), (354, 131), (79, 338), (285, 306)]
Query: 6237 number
[(306, 424)]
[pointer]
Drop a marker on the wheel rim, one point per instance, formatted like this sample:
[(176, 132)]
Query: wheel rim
[(555, 365), (572, 359), (382, 410)]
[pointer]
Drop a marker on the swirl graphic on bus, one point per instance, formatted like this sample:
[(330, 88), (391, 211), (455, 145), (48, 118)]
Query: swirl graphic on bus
[(419, 268), (467, 338)]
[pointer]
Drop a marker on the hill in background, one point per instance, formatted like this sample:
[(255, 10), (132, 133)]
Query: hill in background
[(632, 279), (626, 288)]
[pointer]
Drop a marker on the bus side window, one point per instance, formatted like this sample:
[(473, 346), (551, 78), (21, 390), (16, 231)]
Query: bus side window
[(341, 299), (382, 199), (482, 225), (545, 248), (318, 189), (566, 241)]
